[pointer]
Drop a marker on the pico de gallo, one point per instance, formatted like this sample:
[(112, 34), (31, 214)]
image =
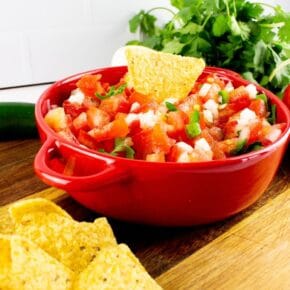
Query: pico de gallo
[(215, 121)]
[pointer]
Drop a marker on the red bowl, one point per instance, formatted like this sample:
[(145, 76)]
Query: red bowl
[(168, 194)]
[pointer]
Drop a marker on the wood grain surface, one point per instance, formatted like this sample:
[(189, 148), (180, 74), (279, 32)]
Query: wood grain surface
[(250, 250)]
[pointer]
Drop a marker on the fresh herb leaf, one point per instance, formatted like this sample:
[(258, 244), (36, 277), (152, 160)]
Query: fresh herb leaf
[(220, 25), (173, 46), (171, 107), (135, 21), (121, 146), (238, 35), (254, 147), (112, 92), (263, 98), (272, 117)]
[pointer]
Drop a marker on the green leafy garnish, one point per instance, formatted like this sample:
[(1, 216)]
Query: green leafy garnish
[(263, 98), (121, 146), (225, 96), (171, 107), (272, 117), (255, 147), (193, 128), (102, 150), (113, 91), (237, 34)]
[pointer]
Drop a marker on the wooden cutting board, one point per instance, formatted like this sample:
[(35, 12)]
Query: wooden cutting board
[(248, 251), (253, 254)]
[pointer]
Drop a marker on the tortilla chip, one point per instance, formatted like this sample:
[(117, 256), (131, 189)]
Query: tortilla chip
[(20, 208), (162, 75), (25, 266), (72, 243), (115, 268)]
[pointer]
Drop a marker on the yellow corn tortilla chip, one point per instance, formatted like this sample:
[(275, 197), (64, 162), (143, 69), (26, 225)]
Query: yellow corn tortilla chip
[(115, 268), (25, 266), (162, 75), (20, 208), (72, 243)]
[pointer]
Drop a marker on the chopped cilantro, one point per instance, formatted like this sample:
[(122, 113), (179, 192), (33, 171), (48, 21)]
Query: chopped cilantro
[(120, 146), (171, 107), (263, 98), (113, 91), (272, 117)]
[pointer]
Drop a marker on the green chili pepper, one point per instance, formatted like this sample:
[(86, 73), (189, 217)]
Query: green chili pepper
[(17, 120)]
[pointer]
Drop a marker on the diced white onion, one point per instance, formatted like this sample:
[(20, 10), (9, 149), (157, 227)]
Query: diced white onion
[(252, 91), (212, 106), (208, 116), (184, 147), (76, 97), (201, 144), (131, 117), (229, 87), (135, 106), (204, 89), (247, 117), (148, 119), (244, 133)]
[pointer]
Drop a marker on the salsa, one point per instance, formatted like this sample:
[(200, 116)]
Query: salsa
[(215, 121)]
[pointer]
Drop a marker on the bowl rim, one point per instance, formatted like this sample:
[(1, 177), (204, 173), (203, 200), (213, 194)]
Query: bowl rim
[(50, 134)]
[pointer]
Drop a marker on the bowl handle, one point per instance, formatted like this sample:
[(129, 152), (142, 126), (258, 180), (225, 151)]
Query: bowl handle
[(110, 172)]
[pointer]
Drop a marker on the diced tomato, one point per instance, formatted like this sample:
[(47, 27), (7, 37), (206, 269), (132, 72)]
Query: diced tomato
[(239, 99), (153, 140), (228, 146), (216, 133), (91, 102), (56, 119), (97, 118), (255, 132), (90, 85), (217, 151), (230, 130), (156, 157), (177, 120), (118, 128), (259, 107), (140, 98), (115, 104), (224, 115), (87, 140), (73, 109), (80, 122)]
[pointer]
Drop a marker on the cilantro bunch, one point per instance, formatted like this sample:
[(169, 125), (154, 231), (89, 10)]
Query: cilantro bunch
[(234, 34)]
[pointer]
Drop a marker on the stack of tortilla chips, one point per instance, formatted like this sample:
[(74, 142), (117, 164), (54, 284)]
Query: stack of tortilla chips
[(50, 250)]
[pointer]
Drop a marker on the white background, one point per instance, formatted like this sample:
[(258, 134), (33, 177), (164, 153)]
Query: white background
[(46, 40)]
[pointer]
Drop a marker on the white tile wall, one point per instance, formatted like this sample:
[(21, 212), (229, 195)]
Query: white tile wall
[(44, 40)]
